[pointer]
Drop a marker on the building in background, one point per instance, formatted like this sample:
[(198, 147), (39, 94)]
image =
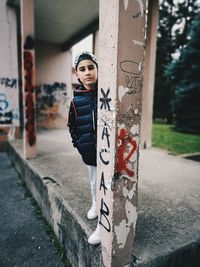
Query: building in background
[(53, 72)]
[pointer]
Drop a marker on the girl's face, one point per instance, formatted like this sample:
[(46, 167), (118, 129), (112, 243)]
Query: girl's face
[(87, 73)]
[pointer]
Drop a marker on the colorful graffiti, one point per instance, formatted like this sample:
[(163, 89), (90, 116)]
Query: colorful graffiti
[(51, 104), (48, 94), (3, 102), (29, 98), (9, 110)]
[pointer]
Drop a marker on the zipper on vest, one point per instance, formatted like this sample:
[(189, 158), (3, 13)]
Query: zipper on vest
[(93, 122), (93, 116)]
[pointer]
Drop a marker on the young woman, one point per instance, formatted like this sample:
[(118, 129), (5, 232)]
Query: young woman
[(82, 122)]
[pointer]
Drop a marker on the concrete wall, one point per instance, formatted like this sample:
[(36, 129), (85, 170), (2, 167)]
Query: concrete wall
[(9, 107), (96, 44), (53, 85)]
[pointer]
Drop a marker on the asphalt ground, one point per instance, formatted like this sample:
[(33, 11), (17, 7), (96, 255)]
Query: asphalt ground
[(23, 233)]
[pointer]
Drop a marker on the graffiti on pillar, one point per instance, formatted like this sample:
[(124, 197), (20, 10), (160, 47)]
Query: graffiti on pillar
[(140, 12), (105, 133), (102, 152), (104, 210), (102, 184), (105, 99), (141, 5), (29, 97), (104, 213), (51, 103), (104, 219), (29, 43), (131, 117), (132, 72), (9, 110), (122, 158)]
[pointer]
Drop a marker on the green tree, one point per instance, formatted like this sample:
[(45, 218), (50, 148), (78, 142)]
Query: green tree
[(185, 12), (165, 50), (185, 74), (174, 20)]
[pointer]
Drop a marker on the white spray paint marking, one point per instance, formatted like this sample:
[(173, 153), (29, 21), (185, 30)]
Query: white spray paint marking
[(128, 177), (108, 183), (138, 43), (122, 91), (140, 67), (136, 111), (135, 129), (125, 4), (129, 194), (131, 212), (121, 233), (141, 7), (123, 229), (120, 126)]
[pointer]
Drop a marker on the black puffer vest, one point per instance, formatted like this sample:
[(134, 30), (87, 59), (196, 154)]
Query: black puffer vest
[(85, 104)]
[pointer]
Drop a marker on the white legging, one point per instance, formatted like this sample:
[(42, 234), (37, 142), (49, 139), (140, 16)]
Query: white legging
[(92, 177)]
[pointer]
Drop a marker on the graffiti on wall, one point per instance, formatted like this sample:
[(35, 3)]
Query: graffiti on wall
[(5, 117), (9, 111), (51, 101), (8, 82), (48, 94)]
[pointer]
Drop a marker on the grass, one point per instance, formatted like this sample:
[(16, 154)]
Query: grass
[(165, 137)]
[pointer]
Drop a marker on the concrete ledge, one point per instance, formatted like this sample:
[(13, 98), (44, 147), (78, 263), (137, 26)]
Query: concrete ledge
[(69, 227), (167, 231)]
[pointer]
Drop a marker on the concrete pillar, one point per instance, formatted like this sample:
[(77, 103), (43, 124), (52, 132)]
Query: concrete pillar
[(149, 75), (121, 58), (28, 77)]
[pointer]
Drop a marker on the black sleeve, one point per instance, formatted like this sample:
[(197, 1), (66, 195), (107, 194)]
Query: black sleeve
[(72, 125)]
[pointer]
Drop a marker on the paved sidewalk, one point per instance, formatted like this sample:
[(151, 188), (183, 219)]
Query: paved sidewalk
[(167, 231), (23, 240)]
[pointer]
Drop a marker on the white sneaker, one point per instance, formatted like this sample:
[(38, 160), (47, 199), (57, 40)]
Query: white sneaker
[(92, 212), (95, 239)]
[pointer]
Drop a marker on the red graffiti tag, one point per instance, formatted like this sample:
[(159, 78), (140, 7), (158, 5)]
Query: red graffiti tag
[(121, 159), (29, 97)]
